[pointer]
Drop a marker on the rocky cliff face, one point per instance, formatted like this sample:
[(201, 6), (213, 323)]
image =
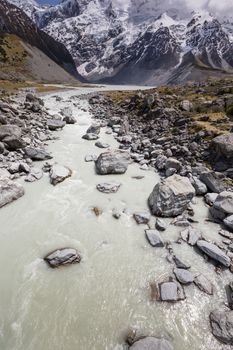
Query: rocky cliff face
[(137, 42), (14, 21)]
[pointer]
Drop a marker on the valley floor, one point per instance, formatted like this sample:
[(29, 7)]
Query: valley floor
[(94, 304)]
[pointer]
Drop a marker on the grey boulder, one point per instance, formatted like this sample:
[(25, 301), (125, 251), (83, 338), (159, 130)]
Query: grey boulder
[(90, 137), (151, 343), (228, 221), (11, 136), (93, 129), (171, 197), (37, 154), (221, 322), (34, 175), (214, 252), (90, 158), (9, 191), (112, 162), (64, 256), (59, 173), (213, 181), (171, 291), (224, 202), (55, 124)]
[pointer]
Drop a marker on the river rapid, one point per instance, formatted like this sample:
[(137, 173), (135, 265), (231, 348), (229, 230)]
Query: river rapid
[(91, 305)]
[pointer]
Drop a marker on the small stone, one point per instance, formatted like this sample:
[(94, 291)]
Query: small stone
[(142, 217), (110, 187), (160, 224), (154, 238), (102, 145)]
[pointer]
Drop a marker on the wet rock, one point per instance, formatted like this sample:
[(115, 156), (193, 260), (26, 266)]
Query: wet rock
[(183, 276), (34, 175), (213, 182), (142, 217), (112, 162), (90, 137), (224, 202), (108, 187), (221, 321), (37, 154), (210, 198), (59, 173), (55, 124), (191, 236), (93, 129), (9, 191), (151, 343), (171, 197), (203, 284), (90, 158), (154, 238), (100, 144), (214, 252), (160, 224), (65, 256), (171, 291)]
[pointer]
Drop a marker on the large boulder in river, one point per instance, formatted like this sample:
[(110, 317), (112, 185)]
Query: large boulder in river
[(171, 196), (9, 191), (221, 150), (59, 173), (214, 252), (221, 322), (64, 256), (112, 162), (11, 136), (151, 343)]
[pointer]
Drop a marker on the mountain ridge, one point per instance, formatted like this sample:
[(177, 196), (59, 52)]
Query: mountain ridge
[(137, 44)]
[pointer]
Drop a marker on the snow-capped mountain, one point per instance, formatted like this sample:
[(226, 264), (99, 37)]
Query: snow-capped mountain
[(136, 41)]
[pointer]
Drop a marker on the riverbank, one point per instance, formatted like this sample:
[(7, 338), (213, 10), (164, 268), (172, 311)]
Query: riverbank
[(92, 305)]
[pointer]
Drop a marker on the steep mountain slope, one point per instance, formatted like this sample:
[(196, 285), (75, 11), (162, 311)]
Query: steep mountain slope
[(135, 42), (20, 33)]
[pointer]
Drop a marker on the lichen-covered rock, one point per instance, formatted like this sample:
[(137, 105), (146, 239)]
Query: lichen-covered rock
[(171, 196)]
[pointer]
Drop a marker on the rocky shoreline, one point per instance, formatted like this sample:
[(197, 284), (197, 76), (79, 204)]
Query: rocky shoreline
[(27, 127), (190, 164)]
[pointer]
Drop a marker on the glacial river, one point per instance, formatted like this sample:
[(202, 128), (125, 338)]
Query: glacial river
[(92, 305)]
